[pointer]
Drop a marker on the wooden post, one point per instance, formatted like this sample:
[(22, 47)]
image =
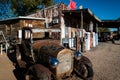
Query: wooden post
[(77, 43), (1, 49), (96, 28), (6, 30), (11, 30), (82, 41), (6, 47)]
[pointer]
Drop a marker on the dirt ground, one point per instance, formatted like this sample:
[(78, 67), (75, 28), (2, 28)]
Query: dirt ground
[(105, 59), (6, 68)]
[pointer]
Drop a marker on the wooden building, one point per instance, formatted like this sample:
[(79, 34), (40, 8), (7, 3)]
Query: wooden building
[(12, 27), (58, 20), (70, 22)]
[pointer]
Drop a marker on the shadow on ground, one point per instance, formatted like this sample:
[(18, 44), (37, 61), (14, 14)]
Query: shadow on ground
[(19, 74)]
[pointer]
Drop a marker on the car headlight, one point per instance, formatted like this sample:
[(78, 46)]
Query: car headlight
[(53, 62), (78, 55)]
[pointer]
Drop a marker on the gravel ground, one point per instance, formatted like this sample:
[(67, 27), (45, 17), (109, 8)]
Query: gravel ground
[(6, 68), (105, 59)]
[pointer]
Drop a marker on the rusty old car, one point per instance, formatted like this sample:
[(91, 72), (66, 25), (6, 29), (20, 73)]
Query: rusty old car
[(47, 59)]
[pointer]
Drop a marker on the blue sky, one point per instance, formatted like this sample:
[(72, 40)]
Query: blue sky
[(103, 9)]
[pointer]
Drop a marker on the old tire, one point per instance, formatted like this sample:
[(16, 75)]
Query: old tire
[(39, 72), (83, 68)]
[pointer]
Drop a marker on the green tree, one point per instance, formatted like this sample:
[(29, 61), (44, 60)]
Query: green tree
[(5, 10), (103, 29), (3, 1), (118, 19), (48, 2), (25, 7)]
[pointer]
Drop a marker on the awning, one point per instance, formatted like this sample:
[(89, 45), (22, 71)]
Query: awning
[(87, 15), (109, 24)]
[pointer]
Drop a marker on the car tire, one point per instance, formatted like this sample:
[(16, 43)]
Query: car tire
[(39, 72), (83, 68)]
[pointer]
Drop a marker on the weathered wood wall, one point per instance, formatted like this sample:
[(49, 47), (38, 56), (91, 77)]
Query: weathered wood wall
[(10, 27), (32, 23), (51, 13)]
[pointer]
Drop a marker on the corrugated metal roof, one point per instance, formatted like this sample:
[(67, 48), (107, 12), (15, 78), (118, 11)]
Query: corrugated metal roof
[(23, 17)]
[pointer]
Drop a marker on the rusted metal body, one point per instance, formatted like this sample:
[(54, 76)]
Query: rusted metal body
[(47, 48), (43, 50)]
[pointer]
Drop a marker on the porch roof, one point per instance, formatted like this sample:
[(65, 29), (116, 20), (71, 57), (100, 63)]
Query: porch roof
[(87, 15), (109, 23)]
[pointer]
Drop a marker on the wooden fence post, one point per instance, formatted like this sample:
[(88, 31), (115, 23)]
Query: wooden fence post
[(1, 49), (6, 47)]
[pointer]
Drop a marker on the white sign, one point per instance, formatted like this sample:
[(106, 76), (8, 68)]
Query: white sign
[(19, 33), (45, 30)]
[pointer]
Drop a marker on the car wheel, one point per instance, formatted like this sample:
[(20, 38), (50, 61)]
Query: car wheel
[(83, 68), (39, 72)]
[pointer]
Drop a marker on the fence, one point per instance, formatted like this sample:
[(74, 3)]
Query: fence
[(3, 43)]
